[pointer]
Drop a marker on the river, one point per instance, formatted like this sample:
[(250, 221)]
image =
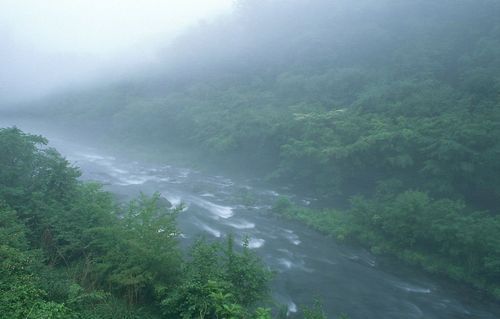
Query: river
[(307, 264)]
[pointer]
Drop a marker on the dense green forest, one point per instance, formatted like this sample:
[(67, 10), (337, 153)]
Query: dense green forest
[(388, 110), (68, 250)]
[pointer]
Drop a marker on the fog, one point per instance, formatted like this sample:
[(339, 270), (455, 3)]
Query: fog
[(350, 147), (57, 44)]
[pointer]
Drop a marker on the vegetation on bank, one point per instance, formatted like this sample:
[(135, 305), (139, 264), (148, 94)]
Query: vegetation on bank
[(67, 250), (388, 108), (441, 236)]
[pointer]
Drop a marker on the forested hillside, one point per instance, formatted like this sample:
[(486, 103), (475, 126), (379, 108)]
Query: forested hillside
[(388, 109)]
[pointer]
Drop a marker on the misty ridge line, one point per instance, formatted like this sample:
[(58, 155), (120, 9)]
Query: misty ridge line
[(383, 114), (51, 48), (255, 36)]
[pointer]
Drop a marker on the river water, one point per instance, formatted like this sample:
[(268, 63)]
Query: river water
[(307, 264)]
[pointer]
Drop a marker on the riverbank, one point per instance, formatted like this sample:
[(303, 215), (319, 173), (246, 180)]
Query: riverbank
[(349, 279), (442, 237), (359, 225)]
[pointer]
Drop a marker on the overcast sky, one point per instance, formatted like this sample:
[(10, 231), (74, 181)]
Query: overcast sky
[(72, 39)]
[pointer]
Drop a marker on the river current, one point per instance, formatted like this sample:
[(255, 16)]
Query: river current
[(307, 264)]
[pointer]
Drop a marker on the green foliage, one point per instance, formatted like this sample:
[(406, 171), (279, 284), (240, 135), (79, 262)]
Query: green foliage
[(219, 282), (315, 312), (22, 296), (68, 251), (331, 222), (281, 205), (262, 313), (393, 116), (137, 254), (440, 235), (408, 91), (449, 238), (398, 111), (79, 299)]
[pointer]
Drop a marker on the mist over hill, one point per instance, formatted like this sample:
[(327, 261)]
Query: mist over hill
[(386, 110)]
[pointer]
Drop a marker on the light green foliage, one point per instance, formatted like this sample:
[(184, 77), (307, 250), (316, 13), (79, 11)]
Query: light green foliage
[(68, 251), (218, 281), (397, 111), (314, 312), (262, 313), (79, 299), (331, 222), (441, 236), (138, 253), (394, 118), (408, 92)]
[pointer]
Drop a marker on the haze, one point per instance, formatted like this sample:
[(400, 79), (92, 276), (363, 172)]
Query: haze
[(57, 43), (271, 159)]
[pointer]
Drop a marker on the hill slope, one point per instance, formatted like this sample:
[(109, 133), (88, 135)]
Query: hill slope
[(395, 101)]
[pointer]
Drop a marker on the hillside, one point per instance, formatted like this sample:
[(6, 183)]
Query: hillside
[(387, 109)]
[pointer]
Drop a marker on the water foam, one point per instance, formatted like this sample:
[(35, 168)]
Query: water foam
[(285, 262), (174, 200), (119, 170), (134, 180), (242, 224), (292, 307), (413, 289), (254, 243), (95, 157), (272, 193), (183, 173), (417, 290), (211, 230), (207, 195), (218, 210), (292, 237)]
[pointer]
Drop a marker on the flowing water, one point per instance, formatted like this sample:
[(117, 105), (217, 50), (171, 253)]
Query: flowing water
[(307, 264)]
